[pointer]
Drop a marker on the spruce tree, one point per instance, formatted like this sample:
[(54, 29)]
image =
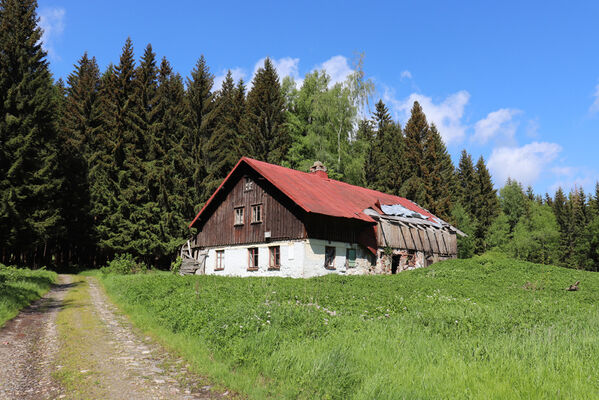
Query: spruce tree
[(416, 182), (441, 180), (366, 134), (387, 152), (169, 175), (80, 118), (200, 103), (223, 147), (239, 107), (466, 188), (486, 204), (265, 135), (29, 179)]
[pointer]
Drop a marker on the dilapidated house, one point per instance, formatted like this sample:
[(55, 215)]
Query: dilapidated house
[(267, 220)]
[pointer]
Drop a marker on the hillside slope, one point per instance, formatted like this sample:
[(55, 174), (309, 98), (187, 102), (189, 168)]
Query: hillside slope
[(487, 327)]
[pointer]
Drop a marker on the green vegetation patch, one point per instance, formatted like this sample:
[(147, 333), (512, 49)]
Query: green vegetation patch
[(19, 287), (488, 327)]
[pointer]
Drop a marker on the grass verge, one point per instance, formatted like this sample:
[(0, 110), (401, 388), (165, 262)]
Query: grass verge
[(20, 287), (489, 327), (78, 330)]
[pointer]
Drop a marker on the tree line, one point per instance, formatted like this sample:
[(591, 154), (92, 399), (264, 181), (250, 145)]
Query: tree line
[(118, 161)]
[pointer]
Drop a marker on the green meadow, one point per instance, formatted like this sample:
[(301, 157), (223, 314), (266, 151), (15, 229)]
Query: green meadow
[(483, 328), (19, 287)]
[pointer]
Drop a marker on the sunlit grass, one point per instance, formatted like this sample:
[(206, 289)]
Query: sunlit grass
[(20, 287), (489, 327)]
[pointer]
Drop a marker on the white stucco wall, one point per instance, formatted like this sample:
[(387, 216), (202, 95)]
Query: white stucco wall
[(299, 259)]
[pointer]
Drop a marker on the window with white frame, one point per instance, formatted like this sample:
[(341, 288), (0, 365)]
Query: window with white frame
[(239, 213), (220, 260), (256, 213)]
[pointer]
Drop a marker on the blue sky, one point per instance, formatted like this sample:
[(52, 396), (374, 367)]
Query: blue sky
[(516, 82)]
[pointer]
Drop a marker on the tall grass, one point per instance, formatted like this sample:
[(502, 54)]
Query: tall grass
[(19, 287), (488, 328)]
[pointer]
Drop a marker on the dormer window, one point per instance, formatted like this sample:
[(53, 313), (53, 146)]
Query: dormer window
[(249, 184)]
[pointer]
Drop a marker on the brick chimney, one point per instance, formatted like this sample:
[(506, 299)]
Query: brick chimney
[(319, 169)]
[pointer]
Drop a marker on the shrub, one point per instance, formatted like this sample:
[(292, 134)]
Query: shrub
[(124, 264)]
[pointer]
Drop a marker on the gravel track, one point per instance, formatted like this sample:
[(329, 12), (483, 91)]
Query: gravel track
[(113, 360), (28, 347)]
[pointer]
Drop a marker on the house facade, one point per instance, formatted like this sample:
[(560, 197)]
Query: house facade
[(267, 220)]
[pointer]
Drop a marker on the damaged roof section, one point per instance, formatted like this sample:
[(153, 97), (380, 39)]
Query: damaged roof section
[(407, 217)]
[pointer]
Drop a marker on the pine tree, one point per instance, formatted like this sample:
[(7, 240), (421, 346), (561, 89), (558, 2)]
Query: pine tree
[(223, 147), (80, 118), (441, 180), (29, 180), (486, 204), (265, 135), (416, 183), (200, 102)]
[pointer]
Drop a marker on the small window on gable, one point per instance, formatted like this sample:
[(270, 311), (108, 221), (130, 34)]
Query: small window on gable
[(249, 184), (256, 213), (239, 211), (329, 257), (220, 260)]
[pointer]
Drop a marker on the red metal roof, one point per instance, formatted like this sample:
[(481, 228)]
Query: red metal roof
[(315, 193)]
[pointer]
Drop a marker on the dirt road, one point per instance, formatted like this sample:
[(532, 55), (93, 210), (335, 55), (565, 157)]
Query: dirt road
[(28, 347), (74, 344)]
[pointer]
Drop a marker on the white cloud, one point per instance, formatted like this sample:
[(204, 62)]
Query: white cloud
[(523, 164), (446, 114), (337, 68), (52, 24), (595, 106), (238, 73), (406, 74), (498, 123)]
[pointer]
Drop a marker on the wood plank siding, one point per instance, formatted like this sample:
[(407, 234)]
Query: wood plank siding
[(279, 216), (426, 239)]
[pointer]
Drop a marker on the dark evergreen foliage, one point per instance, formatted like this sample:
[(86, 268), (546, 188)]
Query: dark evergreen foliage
[(200, 102), (265, 135), (486, 204), (30, 183), (222, 150), (441, 178), (417, 180)]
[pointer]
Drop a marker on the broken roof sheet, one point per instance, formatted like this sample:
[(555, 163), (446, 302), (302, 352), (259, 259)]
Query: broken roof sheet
[(320, 195)]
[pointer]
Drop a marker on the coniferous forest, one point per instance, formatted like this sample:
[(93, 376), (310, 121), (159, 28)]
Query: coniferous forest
[(119, 160)]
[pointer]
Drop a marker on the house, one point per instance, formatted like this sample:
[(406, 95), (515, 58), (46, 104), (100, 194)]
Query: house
[(267, 220)]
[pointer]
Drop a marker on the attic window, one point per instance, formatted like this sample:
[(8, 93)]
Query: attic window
[(256, 213), (239, 215), (249, 184)]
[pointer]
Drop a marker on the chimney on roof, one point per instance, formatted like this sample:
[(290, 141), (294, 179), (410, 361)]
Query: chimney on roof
[(319, 169)]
